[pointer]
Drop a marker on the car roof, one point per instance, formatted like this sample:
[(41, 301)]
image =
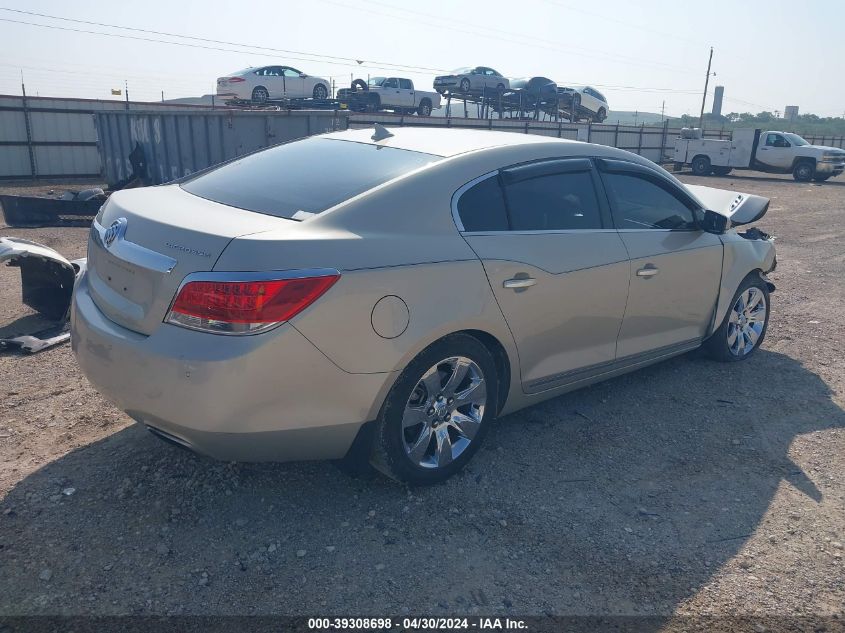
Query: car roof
[(444, 142)]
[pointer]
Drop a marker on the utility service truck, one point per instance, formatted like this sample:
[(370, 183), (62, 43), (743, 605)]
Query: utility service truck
[(769, 151)]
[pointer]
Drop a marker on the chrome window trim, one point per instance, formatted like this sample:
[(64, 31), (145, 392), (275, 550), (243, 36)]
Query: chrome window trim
[(542, 232)]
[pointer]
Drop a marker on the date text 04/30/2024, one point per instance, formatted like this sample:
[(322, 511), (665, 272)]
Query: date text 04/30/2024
[(422, 623)]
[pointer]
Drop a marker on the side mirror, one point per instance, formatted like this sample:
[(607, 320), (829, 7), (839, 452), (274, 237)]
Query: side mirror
[(713, 222), (303, 75)]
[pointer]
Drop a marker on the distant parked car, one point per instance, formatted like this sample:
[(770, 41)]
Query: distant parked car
[(587, 103), (530, 93), (471, 80), (271, 82)]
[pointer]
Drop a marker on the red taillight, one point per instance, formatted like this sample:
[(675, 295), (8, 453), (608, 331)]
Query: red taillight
[(245, 307), (236, 80)]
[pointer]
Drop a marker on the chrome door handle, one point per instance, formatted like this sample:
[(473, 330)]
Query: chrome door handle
[(519, 282), (649, 270)]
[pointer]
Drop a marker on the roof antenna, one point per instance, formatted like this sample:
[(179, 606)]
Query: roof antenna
[(381, 133)]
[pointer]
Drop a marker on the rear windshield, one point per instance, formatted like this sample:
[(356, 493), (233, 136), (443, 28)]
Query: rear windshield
[(298, 179)]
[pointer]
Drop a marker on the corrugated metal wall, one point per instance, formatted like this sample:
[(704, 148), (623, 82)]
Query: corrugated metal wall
[(178, 144), (654, 143), (62, 139)]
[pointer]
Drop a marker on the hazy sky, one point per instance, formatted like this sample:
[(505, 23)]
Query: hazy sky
[(767, 54)]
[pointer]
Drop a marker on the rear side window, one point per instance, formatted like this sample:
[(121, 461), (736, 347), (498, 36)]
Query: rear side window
[(405, 84), (562, 201), (482, 207), (640, 203), (304, 177)]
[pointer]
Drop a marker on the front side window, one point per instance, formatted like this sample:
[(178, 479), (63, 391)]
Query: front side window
[(641, 203), (291, 72), (297, 179), (391, 83), (776, 140), (554, 202)]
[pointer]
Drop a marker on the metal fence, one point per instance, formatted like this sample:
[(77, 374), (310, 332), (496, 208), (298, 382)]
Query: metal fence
[(45, 137), (176, 144), (657, 143)]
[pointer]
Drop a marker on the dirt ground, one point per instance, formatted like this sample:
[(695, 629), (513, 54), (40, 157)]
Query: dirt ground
[(690, 487)]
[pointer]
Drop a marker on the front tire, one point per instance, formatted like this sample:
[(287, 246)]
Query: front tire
[(436, 415), (601, 115), (701, 166), (320, 92), (744, 327), (804, 171)]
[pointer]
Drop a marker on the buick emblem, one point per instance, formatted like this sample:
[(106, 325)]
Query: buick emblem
[(115, 230)]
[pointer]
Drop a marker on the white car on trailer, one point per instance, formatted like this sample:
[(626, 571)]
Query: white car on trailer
[(269, 83)]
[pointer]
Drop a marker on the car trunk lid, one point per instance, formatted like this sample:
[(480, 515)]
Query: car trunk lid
[(149, 239), (739, 208)]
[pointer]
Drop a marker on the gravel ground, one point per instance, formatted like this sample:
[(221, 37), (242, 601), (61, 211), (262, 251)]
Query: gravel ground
[(690, 487)]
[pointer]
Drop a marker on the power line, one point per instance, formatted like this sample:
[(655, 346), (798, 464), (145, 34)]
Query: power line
[(524, 41), (623, 22), (350, 61), (528, 39)]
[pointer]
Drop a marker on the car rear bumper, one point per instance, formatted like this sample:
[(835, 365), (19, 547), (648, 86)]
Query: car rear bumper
[(267, 397)]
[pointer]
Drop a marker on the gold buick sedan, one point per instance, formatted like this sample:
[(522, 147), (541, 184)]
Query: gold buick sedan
[(385, 295)]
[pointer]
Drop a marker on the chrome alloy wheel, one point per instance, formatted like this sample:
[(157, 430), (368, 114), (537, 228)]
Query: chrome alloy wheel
[(747, 320), (444, 412)]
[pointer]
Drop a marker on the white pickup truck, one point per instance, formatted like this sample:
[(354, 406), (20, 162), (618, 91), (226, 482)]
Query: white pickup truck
[(770, 151), (388, 93)]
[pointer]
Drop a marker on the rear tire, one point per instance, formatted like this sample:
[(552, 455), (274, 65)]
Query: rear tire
[(744, 327), (425, 108), (804, 171), (701, 166), (424, 434), (260, 94), (465, 85)]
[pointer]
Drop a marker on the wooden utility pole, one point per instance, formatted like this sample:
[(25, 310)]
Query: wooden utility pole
[(704, 96)]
